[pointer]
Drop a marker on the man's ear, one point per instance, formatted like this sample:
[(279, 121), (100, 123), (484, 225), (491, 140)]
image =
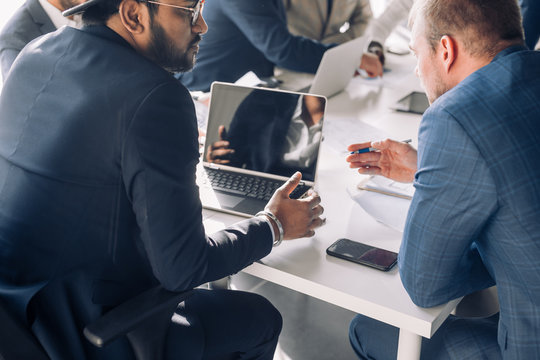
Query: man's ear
[(134, 16), (449, 52)]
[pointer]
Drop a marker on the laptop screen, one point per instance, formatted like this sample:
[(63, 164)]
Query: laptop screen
[(265, 130)]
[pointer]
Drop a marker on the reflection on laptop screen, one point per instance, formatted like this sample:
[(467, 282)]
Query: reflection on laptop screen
[(264, 130)]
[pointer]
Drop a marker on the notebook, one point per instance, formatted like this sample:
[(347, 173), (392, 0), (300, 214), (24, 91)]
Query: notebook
[(337, 67), (256, 138)]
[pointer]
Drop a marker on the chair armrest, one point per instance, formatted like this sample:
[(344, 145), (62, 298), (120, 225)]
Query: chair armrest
[(127, 316)]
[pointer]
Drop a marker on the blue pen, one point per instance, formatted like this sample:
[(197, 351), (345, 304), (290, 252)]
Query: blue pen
[(364, 150), (368, 149)]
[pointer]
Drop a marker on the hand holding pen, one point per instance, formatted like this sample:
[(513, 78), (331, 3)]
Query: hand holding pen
[(395, 160), (368, 149)]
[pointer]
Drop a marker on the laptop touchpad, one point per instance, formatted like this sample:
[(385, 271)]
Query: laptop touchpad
[(228, 201)]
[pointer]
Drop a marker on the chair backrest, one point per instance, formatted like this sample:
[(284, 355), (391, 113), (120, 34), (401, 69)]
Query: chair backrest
[(16, 341)]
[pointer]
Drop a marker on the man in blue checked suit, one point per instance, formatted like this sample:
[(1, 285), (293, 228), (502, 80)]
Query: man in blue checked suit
[(474, 220)]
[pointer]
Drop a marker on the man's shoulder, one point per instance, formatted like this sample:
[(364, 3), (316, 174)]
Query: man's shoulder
[(93, 55), (505, 79)]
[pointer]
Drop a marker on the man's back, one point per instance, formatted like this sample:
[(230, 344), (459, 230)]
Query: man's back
[(478, 187), (506, 130), (98, 149), (53, 175)]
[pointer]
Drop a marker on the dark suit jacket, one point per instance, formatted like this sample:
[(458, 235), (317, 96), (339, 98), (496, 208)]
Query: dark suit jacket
[(247, 35), (29, 22), (98, 201)]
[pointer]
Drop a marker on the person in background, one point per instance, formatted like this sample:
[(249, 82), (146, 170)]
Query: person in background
[(473, 220), (380, 28), (247, 35), (530, 10), (33, 19), (328, 21), (98, 197)]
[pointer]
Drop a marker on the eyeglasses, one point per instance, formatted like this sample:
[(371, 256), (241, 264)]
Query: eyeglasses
[(195, 11)]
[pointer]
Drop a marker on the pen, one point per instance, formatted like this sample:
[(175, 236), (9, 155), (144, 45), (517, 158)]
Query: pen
[(368, 149)]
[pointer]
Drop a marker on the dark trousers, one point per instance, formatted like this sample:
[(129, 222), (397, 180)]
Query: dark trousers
[(457, 338), (224, 324)]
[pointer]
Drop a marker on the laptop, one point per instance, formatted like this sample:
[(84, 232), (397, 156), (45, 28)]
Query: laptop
[(415, 102), (256, 138), (337, 67)]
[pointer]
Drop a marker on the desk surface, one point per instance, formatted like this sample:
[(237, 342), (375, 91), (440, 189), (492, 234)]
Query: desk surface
[(303, 265)]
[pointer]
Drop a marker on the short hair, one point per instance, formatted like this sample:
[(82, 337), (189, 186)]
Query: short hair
[(486, 26), (99, 13)]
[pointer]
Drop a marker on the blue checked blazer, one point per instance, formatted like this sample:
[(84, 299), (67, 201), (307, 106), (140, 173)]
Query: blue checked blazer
[(474, 220)]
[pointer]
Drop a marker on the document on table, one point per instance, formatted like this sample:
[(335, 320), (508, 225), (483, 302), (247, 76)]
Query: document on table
[(340, 132), (385, 186), (387, 201)]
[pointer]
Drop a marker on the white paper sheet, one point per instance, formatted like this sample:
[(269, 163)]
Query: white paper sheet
[(388, 210), (340, 132)]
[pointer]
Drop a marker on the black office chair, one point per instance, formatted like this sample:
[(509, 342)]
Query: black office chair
[(143, 319), (16, 341)]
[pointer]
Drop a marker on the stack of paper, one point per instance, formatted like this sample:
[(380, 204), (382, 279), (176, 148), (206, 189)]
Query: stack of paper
[(385, 186), (387, 201)]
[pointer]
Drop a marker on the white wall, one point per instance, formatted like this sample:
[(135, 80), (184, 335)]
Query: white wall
[(7, 8)]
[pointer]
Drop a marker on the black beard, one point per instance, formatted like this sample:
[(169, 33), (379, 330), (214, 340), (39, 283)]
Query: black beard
[(163, 52)]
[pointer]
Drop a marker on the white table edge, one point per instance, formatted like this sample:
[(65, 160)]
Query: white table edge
[(350, 302)]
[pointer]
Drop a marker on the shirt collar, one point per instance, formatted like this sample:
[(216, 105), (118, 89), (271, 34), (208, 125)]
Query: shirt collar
[(509, 50), (56, 15)]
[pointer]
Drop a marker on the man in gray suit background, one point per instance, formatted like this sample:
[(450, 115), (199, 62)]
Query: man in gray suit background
[(33, 19), (328, 21)]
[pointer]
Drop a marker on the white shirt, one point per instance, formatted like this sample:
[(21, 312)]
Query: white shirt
[(302, 143), (56, 15), (381, 27)]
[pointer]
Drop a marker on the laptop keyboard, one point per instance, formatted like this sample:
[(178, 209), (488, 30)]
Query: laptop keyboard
[(246, 185)]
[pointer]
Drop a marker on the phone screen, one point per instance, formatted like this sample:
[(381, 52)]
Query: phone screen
[(363, 254), (415, 102)]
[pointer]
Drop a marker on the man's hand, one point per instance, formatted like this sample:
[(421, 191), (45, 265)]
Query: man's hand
[(371, 64), (394, 160), (299, 217), (219, 152)]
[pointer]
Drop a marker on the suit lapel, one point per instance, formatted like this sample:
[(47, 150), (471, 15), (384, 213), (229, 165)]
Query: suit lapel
[(40, 16)]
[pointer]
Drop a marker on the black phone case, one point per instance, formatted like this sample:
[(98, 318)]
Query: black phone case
[(359, 261)]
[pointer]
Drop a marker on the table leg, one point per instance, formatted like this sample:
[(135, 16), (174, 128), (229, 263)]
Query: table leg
[(409, 346)]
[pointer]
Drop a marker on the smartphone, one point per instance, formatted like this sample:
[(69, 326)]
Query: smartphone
[(363, 254), (415, 102)]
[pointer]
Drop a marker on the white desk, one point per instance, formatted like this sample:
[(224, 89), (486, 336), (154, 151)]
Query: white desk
[(302, 265)]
